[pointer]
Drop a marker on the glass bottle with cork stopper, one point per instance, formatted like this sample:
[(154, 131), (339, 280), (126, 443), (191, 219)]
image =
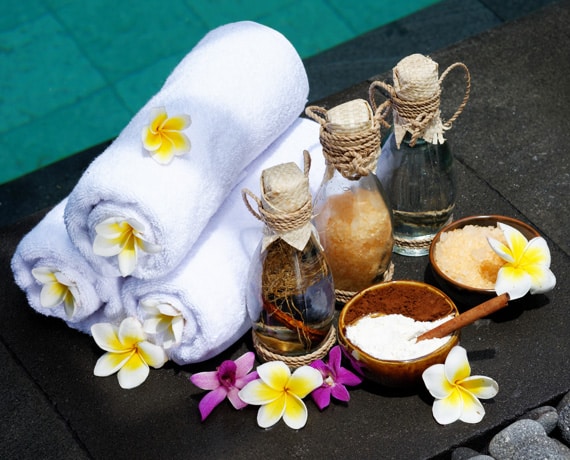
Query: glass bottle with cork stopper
[(352, 214), (416, 164), (290, 292)]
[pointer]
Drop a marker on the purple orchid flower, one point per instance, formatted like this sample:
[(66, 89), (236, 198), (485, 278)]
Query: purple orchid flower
[(225, 381), (335, 377)]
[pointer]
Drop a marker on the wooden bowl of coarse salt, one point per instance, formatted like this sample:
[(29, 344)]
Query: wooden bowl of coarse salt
[(377, 331), (462, 260)]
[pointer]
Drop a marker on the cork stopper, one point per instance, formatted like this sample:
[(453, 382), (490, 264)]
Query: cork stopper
[(354, 115), (284, 188), (417, 86), (285, 206)]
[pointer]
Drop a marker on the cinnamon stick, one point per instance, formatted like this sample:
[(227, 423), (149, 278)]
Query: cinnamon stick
[(466, 318)]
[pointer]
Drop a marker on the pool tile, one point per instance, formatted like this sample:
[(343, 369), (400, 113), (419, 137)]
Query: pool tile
[(226, 11), (35, 80), (91, 120), (15, 13), (120, 40)]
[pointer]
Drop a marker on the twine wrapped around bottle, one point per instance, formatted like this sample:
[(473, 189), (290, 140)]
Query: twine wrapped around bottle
[(285, 207), (415, 99), (350, 136)]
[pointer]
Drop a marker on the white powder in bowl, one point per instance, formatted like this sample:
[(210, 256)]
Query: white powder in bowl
[(393, 337)]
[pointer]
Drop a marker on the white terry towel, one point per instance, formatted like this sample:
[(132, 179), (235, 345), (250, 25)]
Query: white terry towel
[(242, 85), (47, 252), (208, 289)]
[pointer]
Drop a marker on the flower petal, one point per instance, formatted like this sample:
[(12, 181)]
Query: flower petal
[(44, 275), (163, 155), (210, 401), (472, 411), (259, 393), (133, 373), (304, 380), (436, 382), (295, 415), (480, 386), (105, 247), (515, 239), (106, 336), (177, 123), (52, 294), (335, 356), (206, 380), (340, 393), (110, 363), (449, 409), (503, 251), (152, 354), (127, 261), (346, 377), (151, 140), (537, 252), (269, 414), (130, 332), (233, 396), (274, 374), (244, 364), (514, 281), (322, 396), (457, 365)]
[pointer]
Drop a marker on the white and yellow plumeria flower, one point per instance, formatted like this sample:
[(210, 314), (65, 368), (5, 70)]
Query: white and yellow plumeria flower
[(162, 320), (163, 138), (57, 289), (122, 237), (280, 393), (456, 391), (527, 266), (128, 352)]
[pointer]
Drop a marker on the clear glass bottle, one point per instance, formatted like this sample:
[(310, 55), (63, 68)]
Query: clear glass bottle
[(416, 163), (420, 184), (352, 214), (354, 223), (290, 293)]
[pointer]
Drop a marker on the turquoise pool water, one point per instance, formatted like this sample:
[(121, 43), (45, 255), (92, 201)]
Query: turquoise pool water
[(73, 72)]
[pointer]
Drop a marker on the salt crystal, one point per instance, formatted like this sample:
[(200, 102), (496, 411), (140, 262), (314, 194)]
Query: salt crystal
[(393, 337)]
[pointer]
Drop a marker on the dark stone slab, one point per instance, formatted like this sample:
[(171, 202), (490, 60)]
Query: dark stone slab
[(524, 348)]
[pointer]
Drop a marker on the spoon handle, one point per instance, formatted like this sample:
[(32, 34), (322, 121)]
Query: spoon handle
[(467, 317)]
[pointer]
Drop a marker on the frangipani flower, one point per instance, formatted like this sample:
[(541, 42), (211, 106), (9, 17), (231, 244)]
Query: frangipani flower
[(456, 391), (128, 352), (527, 266), (335, 377), (162, 138), (122, 237), (57, 289), (162, 320), (280, 393), (224, 382)]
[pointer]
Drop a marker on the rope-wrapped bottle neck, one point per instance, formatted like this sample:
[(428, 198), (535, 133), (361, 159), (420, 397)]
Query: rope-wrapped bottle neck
[(415, 99), (285, 205), (350, 136)]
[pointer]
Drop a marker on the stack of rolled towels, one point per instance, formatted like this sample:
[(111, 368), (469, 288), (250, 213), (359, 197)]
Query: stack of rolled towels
[(156, 228)]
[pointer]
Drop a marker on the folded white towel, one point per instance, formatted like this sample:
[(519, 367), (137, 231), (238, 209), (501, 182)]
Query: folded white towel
[(242, 86), (208, 289), (46, 266)]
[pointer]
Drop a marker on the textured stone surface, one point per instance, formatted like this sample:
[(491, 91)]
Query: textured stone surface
[(526, 439), (498, 142), (547, 416)]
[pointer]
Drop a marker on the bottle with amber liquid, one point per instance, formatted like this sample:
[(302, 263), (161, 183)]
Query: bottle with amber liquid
[(290, 293), (416, 162), (352, 215)]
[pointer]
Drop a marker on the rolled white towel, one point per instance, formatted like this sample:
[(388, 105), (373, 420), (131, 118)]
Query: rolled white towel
[(242, 85), (202, 304), (58, 281)]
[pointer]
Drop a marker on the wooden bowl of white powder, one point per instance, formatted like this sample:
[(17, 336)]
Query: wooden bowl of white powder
[(462, 260), (378, 326)]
